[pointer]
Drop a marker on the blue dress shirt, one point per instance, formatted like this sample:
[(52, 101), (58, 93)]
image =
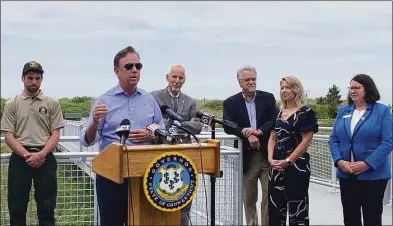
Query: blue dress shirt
[(140, 108)]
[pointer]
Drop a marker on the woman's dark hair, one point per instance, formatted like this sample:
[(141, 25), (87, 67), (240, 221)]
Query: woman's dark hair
[(371, 90)]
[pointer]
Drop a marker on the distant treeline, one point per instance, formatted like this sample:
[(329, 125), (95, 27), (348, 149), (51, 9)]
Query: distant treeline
[(82, 105), (325, 107)]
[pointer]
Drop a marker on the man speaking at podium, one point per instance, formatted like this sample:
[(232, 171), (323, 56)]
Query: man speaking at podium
[(185, 107), (124, 101)]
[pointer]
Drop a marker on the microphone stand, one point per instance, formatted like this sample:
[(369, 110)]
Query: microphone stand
[(213, 184), (212, 177)]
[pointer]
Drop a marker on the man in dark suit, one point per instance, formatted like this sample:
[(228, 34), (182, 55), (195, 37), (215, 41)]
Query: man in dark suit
[(254, 111), (184, 106)]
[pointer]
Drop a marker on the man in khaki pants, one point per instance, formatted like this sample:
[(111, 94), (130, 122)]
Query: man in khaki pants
[(254, 111)]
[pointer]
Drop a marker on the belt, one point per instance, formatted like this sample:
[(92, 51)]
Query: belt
[(34, 148)]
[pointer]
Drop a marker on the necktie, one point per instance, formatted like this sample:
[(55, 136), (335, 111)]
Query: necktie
[(175, 104)]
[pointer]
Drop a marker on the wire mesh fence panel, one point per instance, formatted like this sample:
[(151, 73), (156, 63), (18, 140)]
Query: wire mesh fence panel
[(76, 204), (227, 201), (75, 197), (320, 160)]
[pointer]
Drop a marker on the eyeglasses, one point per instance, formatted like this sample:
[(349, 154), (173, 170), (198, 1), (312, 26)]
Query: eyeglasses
[(248, 79), (129, 66), (355, 88)]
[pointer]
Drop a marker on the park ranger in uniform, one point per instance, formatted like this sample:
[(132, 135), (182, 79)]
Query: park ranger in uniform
[(31, 124)]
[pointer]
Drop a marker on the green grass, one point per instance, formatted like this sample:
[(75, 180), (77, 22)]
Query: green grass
[(212, 106), (215, 107), (4, 148)]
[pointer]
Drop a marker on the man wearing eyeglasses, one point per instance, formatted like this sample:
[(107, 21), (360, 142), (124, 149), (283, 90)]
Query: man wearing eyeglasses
[(254, 111), (31, 123), (184, 106), (124, 101)]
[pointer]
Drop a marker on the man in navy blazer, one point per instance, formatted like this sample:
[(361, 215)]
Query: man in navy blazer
[(254, 111)]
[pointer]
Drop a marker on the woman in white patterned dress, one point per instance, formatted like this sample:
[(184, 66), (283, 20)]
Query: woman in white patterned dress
[(289, 175)]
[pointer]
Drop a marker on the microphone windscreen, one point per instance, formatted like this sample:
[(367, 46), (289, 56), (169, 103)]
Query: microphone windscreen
[(198, 114), (163, 108), (125, 122)]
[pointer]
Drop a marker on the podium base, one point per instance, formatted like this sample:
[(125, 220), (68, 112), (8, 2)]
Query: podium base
[(144, 212)]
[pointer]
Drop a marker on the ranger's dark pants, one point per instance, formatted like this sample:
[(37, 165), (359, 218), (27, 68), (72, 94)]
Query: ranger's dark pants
[(20, 176)]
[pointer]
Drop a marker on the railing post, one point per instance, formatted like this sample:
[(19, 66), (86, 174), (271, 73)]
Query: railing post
[(80, 144), (63, 129), (391, 183), (96, 211), (239, 146), (333, 177)]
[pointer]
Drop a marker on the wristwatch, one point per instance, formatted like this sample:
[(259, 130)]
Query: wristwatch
[(288, 161)]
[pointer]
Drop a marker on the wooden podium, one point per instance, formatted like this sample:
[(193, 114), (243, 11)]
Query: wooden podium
[(111, 163)]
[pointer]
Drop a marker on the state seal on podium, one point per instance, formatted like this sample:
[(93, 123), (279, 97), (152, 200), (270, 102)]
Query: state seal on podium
[(170, 181)]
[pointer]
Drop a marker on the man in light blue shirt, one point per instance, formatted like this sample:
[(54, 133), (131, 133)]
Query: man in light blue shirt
[(138, 107), (124, 101), (251, 110)]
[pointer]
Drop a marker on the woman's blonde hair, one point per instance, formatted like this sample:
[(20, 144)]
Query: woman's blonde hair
[(297, 87)]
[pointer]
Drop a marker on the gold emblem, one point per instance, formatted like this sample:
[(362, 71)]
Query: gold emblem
[(33, 64), (170, 181)]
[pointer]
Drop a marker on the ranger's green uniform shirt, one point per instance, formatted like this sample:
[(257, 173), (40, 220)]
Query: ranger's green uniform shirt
[(31, 120)]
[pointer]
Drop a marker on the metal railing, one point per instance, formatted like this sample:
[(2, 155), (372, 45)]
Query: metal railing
[(76, 201), (75, 197), (229, 208), (322, 168)]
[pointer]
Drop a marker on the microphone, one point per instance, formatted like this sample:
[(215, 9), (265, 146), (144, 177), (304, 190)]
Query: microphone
[(172, 115), (209, 119), (155, 130), (123, 130), (178, 125), (173, 131)]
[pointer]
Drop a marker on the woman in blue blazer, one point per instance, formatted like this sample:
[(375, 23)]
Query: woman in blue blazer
[(360, 145)]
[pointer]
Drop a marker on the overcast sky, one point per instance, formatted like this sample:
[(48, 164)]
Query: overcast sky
[(321, 43)]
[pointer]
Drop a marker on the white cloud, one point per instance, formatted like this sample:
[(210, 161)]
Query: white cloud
[(312, 40), (232, 21)]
